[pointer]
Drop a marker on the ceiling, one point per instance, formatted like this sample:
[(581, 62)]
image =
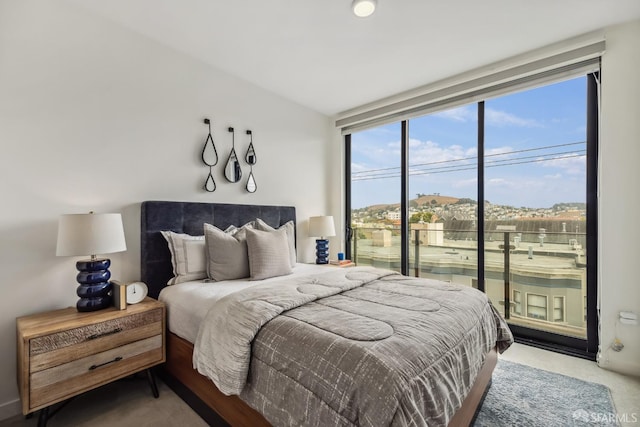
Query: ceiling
[(318, 54)]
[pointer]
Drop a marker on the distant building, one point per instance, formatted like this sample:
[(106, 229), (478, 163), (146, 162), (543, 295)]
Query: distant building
[(393, 216)]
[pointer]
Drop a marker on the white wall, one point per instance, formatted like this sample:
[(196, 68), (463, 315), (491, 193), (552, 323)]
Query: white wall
[(96, 117), (619, 198)]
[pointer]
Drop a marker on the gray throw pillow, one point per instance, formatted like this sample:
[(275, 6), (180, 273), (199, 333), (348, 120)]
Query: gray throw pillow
[(289, 228), (226, 252), (268, 253)]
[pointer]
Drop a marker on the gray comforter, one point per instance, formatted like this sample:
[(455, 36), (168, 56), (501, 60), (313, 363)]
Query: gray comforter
[(353, 346)]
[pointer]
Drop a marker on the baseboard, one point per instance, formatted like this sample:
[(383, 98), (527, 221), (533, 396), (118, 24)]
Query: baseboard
[(621, 367), (10, 409), (556, 348)]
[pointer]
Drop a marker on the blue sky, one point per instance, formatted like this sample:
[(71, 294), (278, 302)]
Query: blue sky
[(530, 144)]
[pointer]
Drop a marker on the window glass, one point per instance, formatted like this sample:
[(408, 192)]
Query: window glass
[(558, 309), (517, 302), (537, 306), (535, 196), (443, 167), (375, 196)]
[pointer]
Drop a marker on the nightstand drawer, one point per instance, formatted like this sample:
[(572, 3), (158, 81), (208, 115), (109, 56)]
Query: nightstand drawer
[(85, 373), (92, 332), (92, 346)]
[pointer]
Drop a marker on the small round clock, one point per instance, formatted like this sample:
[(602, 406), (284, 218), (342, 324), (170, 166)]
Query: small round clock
[(136, 292)]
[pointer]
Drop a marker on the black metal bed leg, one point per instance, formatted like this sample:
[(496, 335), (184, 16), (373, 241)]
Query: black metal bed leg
[(44, 416), (152, 383)]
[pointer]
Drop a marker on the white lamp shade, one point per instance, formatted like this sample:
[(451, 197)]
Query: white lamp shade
[(90, 234), (321, 226)]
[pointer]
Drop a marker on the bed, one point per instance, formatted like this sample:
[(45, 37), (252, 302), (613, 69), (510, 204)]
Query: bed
[(291, 365)]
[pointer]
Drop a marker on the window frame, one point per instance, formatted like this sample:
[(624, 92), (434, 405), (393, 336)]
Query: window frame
[(585, 348)]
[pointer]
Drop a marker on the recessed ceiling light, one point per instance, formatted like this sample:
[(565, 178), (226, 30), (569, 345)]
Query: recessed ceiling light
[(363, 8)]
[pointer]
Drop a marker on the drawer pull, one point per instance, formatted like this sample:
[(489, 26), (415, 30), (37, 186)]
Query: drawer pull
[(117, 359), (104, 334)]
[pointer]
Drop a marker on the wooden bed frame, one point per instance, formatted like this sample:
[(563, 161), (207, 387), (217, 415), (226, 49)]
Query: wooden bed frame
[(237, 413), (197, 390)]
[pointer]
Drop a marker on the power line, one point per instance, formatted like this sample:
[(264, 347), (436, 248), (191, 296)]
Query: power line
[(491, 162), (471, 158), (469, 167)]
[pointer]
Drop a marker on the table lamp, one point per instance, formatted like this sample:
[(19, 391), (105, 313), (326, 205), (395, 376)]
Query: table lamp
[(322, 226), (91, 234)]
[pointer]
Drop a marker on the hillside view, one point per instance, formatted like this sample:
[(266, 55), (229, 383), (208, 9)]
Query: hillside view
[(447, 208)]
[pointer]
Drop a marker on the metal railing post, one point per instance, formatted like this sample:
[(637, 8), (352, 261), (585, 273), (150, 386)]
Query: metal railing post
[(507, 285), (506, 247), (355, 246), (416, 262)]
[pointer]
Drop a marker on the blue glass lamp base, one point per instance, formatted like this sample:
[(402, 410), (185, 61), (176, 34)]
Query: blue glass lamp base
[(94, 290), (322, 251)]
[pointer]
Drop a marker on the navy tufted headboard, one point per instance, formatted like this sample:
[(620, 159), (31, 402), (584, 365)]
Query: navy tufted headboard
[(189, 217)]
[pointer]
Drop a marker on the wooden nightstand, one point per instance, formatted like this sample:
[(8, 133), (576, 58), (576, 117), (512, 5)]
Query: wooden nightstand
[(64, 353)]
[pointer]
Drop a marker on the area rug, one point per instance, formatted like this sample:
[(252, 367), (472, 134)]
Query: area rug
[(524, 396)]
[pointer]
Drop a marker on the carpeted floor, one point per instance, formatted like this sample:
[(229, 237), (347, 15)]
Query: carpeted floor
[(524, 396), (519, 396)]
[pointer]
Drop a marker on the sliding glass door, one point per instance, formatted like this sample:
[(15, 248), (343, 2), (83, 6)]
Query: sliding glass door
[(535, 174), (498, 195)]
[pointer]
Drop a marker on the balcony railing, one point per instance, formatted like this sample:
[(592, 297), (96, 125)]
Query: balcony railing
[(538, 282)]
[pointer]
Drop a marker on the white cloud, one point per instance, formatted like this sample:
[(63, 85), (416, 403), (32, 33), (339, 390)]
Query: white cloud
[(497, 181), (460, 114), (569, 165), (431, 152), (358, 167), (375, 156), (502, 118), (464, 183), (499, 150), (492, 117), (394, 144), (415, 143), (554, 176)]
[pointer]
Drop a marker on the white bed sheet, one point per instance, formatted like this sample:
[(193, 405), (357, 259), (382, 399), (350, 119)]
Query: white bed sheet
[(188, 303)]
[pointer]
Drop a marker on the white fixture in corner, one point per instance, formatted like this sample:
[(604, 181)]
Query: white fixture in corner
[(628, 318), (363, 8)]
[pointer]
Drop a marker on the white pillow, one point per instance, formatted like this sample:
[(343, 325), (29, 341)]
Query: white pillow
[(290, 229), (226, 252), (268, 253), (187, 257)]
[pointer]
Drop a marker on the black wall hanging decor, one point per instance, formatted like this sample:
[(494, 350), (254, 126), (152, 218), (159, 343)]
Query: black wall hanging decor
[(209, 158), (251, 159), (232, 170)]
